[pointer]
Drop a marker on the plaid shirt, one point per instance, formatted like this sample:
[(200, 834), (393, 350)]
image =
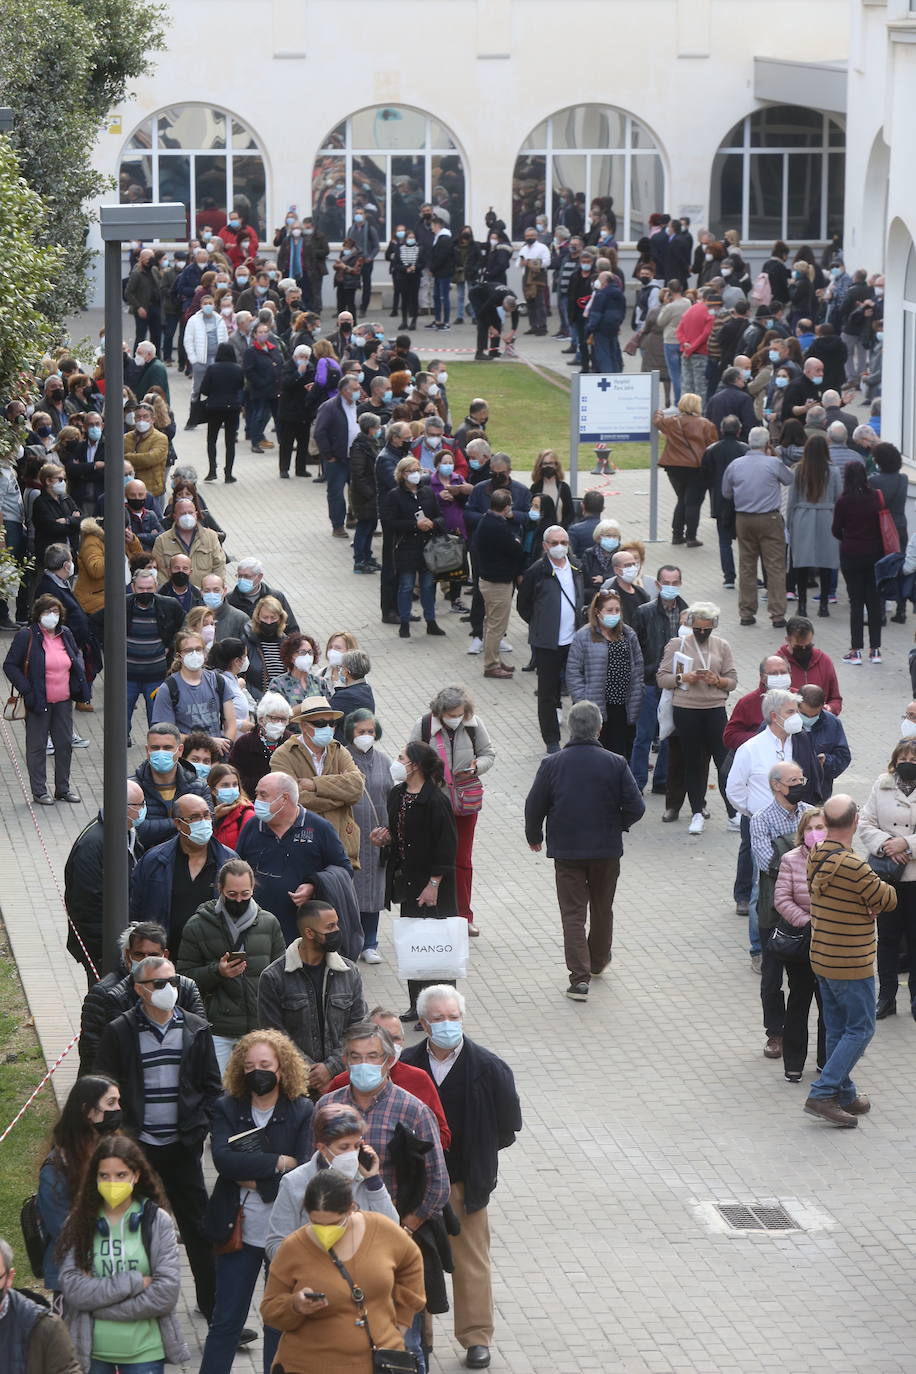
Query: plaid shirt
[(393, 1105), (767, 825)]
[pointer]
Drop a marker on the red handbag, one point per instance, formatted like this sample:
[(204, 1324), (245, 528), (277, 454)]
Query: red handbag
[(890, 537)]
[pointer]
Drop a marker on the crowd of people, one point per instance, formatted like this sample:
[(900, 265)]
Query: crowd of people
[(268, 828)]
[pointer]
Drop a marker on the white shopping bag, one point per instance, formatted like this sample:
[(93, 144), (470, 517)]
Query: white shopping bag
[(666, 714), (428, 949)]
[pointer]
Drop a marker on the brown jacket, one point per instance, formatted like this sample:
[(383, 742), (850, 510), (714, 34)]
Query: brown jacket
[(687, 437), (149, 454), (89, 588), (206, 554), (337, 789)]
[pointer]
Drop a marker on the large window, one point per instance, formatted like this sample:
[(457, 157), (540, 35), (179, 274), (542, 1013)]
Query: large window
[(390, 158), (583, 154), (908, 390), (205, 159), (779, 174)]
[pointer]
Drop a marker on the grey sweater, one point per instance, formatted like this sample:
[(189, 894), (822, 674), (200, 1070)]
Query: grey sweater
[(287, 1215)]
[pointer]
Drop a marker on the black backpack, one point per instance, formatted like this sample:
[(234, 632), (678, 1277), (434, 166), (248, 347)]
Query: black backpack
[(172, 688), (34, 1234)]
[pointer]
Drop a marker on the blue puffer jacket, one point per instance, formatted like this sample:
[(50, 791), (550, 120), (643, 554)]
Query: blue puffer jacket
[(586, 670), (151, 881), (31, 682)]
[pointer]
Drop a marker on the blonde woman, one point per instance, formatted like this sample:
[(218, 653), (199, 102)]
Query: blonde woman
[(262, 639), (266, 1084), (202, 621), (687, 437), (339, 643), (547, 480), (193, 697)]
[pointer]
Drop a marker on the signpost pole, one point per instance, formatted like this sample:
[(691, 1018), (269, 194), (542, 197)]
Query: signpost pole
[(574, 433), (653, 466)]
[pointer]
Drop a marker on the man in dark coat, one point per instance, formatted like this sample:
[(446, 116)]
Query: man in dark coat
[(491, 302), (722, 508), (83, 884), (732, 399), (481, 1105), (334, 430), (589, 798), (550, 600)]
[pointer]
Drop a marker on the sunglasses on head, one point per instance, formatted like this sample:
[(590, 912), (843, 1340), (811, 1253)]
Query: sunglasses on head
[(159, 983)]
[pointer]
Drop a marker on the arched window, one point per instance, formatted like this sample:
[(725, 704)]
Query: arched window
[(392, 158), (204, 158), (779, 174), (583, 154), (908, 374)]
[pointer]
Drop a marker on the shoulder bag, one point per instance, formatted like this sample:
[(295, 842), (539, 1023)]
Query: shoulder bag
[(383, 1361), (15, 708), (890, 537), (443, 553), (791, 943), (888, 870), (465, 795)]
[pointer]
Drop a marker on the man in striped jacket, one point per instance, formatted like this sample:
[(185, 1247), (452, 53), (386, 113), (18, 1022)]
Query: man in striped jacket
[(846, 896)]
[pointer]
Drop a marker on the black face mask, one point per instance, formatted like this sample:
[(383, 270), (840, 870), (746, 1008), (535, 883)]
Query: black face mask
[(180, 579), (268, 631), (795, 793), (701, 636), (331, 942), (143, 599), (111, 1121), (260, 1082), (906, 772), (802, 655), (548, 472), (236, 909), (136, 502)]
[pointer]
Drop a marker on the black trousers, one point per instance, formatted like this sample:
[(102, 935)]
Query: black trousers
[(410, 295), (616, 735), (182, 1177), (891, 925), (293, 434), (771, 998), (803, 985), (802, 576), (701, 736), (859, 574), (229, 421), (689, 488), (388, 578), (551, 665), (487, 319)]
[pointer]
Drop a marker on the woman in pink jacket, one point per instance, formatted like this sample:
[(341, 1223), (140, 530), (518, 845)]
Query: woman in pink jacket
[(793, 902)]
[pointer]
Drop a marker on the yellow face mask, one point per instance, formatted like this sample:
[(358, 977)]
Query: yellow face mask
[(328, 1236), (115, 1193)]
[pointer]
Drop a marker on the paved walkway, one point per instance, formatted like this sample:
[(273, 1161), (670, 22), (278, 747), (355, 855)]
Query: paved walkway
[(647, 1104)]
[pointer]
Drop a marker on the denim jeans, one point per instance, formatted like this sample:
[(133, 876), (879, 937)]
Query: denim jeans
[(362, 540), (337, 472), (406, 582), (236, 1276), (753, 929), (744, 869), (144, 1367), (442, 299), (136, 690), (645, 733), (369, 922), (726, 554), (673, 363), (413, 1341), (849, 1017), (258, 415), (460, 290)]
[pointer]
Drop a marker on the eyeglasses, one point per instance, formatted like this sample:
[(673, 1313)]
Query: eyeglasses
[(795, 782), (318, 724), (276, 720), (159, 983)]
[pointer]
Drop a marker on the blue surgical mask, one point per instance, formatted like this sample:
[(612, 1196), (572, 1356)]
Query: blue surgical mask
[(669, 593), (388, 398), (95, 433), (474, 463), (200, 832), (534, 515), (135, 967), (202, 769), (445, 1034), (245, 585), (141, 815), (227, 795), (365, 1078), (162, 760), (609, 543), (446, 469), (611, 620), (262, 810), (809, 722), (213, 599), (773, 355), (782, 382), (323, 735)]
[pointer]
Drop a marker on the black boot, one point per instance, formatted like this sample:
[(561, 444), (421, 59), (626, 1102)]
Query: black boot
[(404, 631), (227, 471), (433, 629), (212, 474)]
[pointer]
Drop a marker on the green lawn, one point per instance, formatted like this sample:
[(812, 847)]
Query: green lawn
[(527, 413), (21, 1067)]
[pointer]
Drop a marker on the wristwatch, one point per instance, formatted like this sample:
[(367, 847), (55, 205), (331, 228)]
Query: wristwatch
[(434, 882)]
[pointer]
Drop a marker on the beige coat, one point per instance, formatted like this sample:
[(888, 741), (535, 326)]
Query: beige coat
[(887, 815), (206, 554), (337, 789), (149, 454)]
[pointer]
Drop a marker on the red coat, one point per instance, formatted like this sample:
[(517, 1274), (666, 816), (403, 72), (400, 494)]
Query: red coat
[(694, 329), (230, 238), (448, 446), (820, 672), (745, 720), (415, 1082), (227, 830)]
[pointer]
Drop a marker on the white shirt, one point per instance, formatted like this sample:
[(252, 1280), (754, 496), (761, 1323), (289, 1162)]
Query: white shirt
[(748, 786), (349, 409), (567, 603), (534, 252), (440, 1068)]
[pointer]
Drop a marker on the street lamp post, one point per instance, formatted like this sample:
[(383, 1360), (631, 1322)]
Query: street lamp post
[(6, 119), (119, 224)]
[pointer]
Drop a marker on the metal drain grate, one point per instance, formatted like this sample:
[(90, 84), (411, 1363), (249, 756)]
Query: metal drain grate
[(756, 1218)]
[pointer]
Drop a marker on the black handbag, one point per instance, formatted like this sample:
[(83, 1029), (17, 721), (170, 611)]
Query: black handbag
[(791, 943), (888, 870), (383, 1361)]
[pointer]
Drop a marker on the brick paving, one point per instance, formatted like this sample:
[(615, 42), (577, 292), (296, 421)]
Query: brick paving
[(646, 1103)]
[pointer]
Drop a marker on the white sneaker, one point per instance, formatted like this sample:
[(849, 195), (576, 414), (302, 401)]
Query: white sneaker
[(475, 646), (734, 823), (78, 742), (505, 647), (371, 956), (696, 824)]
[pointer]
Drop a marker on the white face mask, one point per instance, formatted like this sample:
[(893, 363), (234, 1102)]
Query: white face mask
[(452, 721), (413, 478), (363, 743), (335, 657), (244, 665), (187, 522), (208, 634), (779, 682), (272, 729), (164, 998), (558, 552), (398, 771), (907, 728), (142, 426), (193, 660), (346, 1163), (629, 574), (794, 723), (50, 620), (303, 662)]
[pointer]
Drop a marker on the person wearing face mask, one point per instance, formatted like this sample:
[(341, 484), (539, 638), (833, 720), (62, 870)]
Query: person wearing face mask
[(335, 429), (143, 522), (194, 697), (625, 569), (229, 656), (547, 479), (253, 749), (605, 665), (152, 624), (33, 1337), (251, 587), (257, 292), (204, 332), (364, 235), (361, 460), (176, 877), (298, 653), (779, 820), (143, 296), (550, 600), (190, 537), (361, 733), (655, 623), (163, 1059), (329, 782), (381, 1264), (54, 516), (412, 513), (45, 667), (56, 581), (792, 905), (295, 410), (481, 1102), (887, 828), (352, 691), (92, 1109), (236, 232), (826, 733), (148, 450), (808, 664), (178, 585)]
